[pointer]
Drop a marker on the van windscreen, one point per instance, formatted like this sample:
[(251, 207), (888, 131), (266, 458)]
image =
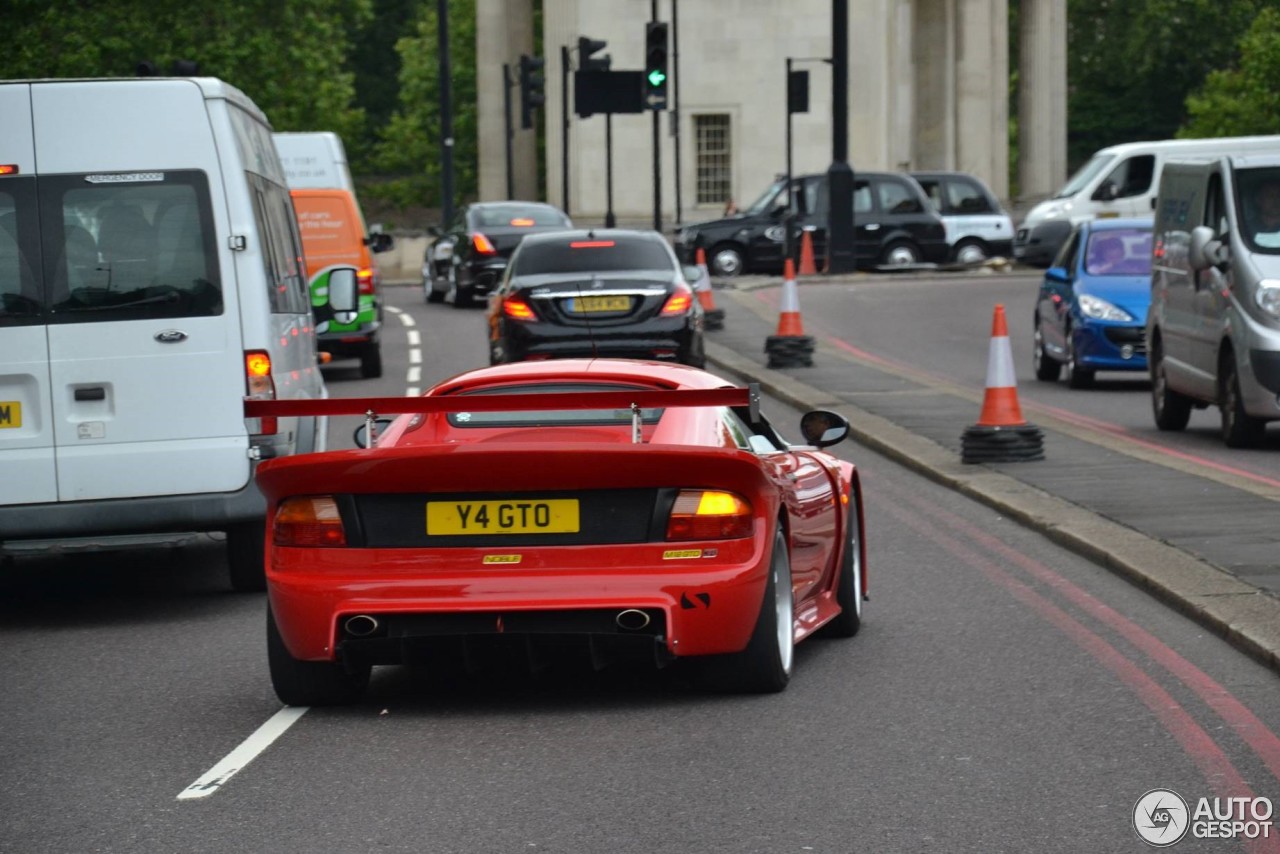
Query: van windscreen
[(123, 246), (1084, 175), (1258, 201)]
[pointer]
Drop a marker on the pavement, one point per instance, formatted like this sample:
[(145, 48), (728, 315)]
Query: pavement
[(1207, 546)]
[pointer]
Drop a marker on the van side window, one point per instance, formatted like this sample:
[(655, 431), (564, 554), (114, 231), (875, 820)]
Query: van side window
[(20, 302), (1132, 177), (1215, 212), (280, 247), (129, 246)]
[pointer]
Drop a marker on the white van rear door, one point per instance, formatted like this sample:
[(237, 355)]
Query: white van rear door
[(145, 355), (26, 427)]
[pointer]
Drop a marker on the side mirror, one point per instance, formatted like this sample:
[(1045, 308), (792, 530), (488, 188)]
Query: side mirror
[(822, 427), (1205, 249), (1106, 192), (380, 242), (361, 435), (435, 230), (343, 294), (692, 273), (1057, 274)]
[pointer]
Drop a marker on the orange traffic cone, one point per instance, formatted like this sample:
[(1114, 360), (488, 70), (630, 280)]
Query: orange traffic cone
[(807, 266), (713, 317), (790, 347), (1001, 434)]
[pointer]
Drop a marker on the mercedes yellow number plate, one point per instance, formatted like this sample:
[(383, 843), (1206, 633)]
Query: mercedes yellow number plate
[(601, 303), (521, 516), (10, 413)]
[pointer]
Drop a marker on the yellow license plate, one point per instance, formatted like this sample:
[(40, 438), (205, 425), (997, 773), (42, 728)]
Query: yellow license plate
[(520, 516), (584, 304), (10, 413)]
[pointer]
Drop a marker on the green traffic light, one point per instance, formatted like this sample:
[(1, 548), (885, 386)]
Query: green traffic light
[(656, 77)]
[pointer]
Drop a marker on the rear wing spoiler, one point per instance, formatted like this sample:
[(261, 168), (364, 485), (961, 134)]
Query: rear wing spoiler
[(373, 407)]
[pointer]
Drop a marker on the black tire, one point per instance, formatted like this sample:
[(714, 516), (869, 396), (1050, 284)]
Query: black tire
[(970, 251), (310, 683), (849, 584), (246, 556), (1077, 376), (900, 253), (433, 295), (371, 361), (764, 667), (1172, 410), (1239, 428), (1048, 369), (726, 260)]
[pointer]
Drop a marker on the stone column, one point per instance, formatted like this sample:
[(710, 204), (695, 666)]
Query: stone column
[(982, 91), (504, 30), (933, 49), (1042, 98)]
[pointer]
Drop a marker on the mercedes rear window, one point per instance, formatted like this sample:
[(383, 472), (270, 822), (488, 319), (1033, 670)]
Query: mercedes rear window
[(592, 255)]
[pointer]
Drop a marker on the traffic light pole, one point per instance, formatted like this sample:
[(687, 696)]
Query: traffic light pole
[(564, 128), (509, 131), (610, 221), (657, 149), (446, 115), (841, 247)]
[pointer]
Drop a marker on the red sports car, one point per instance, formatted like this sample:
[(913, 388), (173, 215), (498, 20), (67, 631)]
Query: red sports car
[(615, 508)]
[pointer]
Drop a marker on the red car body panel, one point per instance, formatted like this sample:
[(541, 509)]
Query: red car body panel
[(709, 591)]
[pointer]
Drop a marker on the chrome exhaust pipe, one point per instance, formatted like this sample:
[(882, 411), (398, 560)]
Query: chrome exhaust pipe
[(632, 620), (361, 625)]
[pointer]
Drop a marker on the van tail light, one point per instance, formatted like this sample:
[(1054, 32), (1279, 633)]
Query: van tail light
[(482, 245), (705, 514), (308, 521), (517, 309), (259, 386), (679, 302), (364, 281)]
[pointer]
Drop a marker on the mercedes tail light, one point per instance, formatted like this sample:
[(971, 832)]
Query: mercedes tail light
[(482, 245), (680, 301), (517, 309)]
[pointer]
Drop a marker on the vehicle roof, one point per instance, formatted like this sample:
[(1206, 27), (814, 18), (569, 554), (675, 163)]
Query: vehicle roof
[(662, 375), (571, 234), (210, 87), (1187, 145), (513, 203)]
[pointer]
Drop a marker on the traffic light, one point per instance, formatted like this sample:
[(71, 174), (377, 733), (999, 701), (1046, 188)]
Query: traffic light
[(586, 62), (655, 65), (531, 83)]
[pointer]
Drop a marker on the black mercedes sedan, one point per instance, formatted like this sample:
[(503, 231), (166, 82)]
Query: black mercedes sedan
[(465, 260), (609, 293), (894, 225)]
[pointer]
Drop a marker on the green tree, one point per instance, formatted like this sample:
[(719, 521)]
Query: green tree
[(409, 152), (1242, 100), (289, 56)]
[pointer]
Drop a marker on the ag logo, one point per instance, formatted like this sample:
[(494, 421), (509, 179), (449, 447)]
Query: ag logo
[(1160, 817)]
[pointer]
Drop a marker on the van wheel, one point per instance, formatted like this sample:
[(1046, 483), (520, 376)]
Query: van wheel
[(1172, 411), (1048, 369), (764, 667), (310, 683), (1239, 428), (900, 253), (246, 556), (1077, 375), (371, 361)]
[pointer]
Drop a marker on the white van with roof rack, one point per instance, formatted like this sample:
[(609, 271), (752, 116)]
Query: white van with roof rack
[(1117, 181), (150, 280)]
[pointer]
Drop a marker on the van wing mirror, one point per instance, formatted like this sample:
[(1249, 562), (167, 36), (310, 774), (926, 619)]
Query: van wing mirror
[(1205, 249), (1106, 192), (380, 241), (343, 293)]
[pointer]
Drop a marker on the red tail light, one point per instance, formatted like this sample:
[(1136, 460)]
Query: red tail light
[(517, 309), (703, 514), (482, 245), (312, 520), (260, 386), (679, 302), (364, 281)]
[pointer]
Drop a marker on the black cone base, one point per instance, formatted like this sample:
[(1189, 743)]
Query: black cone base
[(714, 318), (789, 351), (1019, 443)]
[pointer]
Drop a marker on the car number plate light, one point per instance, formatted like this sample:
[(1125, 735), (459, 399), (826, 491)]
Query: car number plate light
[(517, 516), (582, 305)]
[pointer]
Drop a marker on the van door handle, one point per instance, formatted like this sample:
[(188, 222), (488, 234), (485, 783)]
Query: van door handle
[(96, 393)]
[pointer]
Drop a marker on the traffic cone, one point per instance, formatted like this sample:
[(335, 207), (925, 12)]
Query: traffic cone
[(1001, 435), (713, 317), (790, 347), (807, 265)]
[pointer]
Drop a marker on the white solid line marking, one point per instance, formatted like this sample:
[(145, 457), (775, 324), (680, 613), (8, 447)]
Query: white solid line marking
[(415, 374), (414, 338), (218, 775), (415, 356)]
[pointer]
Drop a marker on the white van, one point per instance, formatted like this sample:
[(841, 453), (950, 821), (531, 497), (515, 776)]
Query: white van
[(1118, 181), (1213, 329), (150, 279), (314, 159)]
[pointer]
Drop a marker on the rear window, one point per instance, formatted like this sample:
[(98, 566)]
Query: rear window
[(553, 417), (590, 255), (20, 301), (518, 216)]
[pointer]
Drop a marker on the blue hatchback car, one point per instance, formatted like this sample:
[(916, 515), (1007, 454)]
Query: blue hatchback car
[(1091, 313)]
